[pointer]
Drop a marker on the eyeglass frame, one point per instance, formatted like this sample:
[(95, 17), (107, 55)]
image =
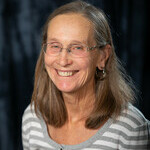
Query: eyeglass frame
[(68, 50)]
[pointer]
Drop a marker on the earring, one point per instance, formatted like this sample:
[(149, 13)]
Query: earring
[(104, 73), (100, 74)]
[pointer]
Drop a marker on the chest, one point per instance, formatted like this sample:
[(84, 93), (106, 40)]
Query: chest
[(70, 136)]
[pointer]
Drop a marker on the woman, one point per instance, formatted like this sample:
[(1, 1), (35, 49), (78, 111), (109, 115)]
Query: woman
[(81, 98)]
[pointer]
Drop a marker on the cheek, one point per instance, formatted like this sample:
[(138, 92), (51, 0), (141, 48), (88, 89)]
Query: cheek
[(48, 64), (48, 60), (89, 65), (88, 68)]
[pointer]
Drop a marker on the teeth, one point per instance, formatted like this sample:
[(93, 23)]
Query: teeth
[(65, 74)]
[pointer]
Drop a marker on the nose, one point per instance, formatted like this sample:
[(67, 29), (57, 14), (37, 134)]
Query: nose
[(64, 58)]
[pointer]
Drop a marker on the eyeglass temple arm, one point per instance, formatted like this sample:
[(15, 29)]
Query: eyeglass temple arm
[(96, 46)]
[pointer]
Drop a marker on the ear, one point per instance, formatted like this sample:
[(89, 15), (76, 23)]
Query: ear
[(103, 56)]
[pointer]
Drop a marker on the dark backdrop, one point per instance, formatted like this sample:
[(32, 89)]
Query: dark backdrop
[(21, 24)]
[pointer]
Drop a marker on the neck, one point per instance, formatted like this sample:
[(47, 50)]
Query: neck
[(79, 104)]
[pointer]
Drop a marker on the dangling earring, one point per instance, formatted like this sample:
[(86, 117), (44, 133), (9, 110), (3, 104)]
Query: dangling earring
[(104, 73), (100, 74)]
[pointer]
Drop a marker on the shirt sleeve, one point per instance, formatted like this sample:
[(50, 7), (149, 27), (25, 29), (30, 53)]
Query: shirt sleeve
[(136, 132), (140, 138), (25, 131)]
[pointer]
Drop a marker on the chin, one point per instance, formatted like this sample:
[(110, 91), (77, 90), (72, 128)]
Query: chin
[(66, 88)]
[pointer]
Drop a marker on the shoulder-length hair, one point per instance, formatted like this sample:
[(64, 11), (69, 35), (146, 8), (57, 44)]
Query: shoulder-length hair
[(112, 93)]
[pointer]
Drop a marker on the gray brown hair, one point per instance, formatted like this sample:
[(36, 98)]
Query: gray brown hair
[(112, 93)]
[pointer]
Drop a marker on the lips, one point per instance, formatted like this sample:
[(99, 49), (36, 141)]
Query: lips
[(64, 73)]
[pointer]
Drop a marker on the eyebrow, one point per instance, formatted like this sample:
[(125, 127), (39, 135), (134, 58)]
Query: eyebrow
[(73, 41), (52, 39)]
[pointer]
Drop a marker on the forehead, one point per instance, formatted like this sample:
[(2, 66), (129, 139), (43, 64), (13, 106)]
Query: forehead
[(70, 27)]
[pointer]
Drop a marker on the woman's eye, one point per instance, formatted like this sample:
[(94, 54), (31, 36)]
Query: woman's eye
[(78, 48), (55, 46)]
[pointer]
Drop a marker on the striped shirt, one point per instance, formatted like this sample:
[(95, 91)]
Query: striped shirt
[(130, 131)]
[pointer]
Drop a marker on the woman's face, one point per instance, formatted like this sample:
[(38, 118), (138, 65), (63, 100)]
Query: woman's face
[(69, 73)]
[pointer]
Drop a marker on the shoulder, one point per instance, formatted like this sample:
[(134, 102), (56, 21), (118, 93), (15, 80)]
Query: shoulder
[(133, 117), (31, 127), (131, 129), (29, 113), (131, 123), (30, 119), (32, 130)]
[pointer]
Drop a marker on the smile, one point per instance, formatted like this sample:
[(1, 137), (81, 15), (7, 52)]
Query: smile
[(66, 73)]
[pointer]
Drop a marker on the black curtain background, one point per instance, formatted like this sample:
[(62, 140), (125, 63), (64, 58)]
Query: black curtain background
[(21, 23)]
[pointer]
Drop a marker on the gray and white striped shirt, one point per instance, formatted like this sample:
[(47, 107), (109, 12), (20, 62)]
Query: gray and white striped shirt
[(130, 131)]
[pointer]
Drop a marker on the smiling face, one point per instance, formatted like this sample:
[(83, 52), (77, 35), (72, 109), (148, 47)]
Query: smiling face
[(68, 73)]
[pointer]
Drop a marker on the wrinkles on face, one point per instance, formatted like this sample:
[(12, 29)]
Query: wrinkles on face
[(69, 74)]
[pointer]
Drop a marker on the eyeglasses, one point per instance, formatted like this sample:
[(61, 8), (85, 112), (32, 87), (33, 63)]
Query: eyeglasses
[(76, 50)]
